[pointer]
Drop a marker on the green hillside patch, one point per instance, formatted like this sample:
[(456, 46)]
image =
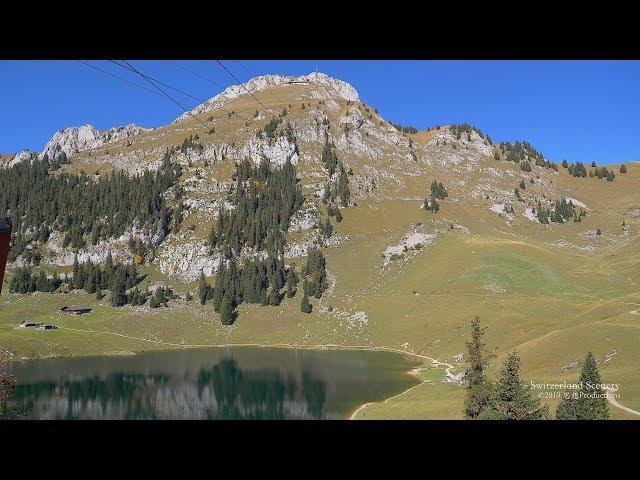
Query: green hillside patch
[(516, 273)]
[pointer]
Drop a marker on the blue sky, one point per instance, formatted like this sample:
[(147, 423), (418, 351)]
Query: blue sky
[(578, 110)]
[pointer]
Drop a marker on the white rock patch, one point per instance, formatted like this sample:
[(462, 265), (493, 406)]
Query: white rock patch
[(528, 213), (409, 242)]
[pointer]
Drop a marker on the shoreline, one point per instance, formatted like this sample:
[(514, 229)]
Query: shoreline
[(414, 372), (187, 346)]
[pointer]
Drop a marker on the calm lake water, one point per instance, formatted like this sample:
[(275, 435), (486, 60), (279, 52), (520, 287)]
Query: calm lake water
[(234, 383)]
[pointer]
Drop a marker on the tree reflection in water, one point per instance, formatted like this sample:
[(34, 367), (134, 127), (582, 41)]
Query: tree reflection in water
[(223, 391)]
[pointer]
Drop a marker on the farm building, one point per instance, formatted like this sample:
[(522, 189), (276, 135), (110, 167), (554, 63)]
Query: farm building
[(46, 326), (75, 310), (28, 323)]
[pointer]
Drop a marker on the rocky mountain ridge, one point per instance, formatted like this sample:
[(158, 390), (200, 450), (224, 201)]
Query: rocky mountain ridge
[(312, 111), (72, 140)]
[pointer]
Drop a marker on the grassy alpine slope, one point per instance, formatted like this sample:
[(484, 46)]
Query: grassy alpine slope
[(552, 292)]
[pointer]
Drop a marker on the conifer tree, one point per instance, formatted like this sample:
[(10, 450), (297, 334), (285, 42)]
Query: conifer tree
[(589, 402), (513, 399), (118, 296), (479, 388), (305, 306), (327, 228), (315, 274), (292, 282), (342, 189), (329, 158), (431, 205), (228, 312), (204, 289)]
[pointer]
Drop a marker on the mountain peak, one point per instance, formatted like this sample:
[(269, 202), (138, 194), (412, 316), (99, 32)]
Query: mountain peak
[(321, 86)]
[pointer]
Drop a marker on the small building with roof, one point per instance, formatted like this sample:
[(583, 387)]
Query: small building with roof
[(75, 310)]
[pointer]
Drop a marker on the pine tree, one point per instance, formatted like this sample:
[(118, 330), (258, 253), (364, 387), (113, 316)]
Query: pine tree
[(431, 205), (228, 312), (589, 402), (204, 289), (479, 388), (292, 282), (305, 306), (327, 228), (118, 296), (315, 274), (329, 158), (513, 399)]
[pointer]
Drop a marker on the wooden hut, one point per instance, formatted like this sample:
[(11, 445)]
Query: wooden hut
[(75, 310)]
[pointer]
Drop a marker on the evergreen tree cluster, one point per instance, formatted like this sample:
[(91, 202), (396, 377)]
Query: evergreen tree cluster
[(25, 281), (136, 297), (335, 188), (140, 250), (407, 129), (264, 200), (464, 128), (329, 157), (577, 170), (191, 143), (438, 191), (326, 228), (87, 210), (258, 281), (563, 211), (115, 276), (509, 398), (161, 297), (314, 274), (337, 191), (603, 172), (431, 204), (524, 154), (270, 129)]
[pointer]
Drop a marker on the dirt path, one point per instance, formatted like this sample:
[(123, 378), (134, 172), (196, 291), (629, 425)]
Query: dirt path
[(615, 403)]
